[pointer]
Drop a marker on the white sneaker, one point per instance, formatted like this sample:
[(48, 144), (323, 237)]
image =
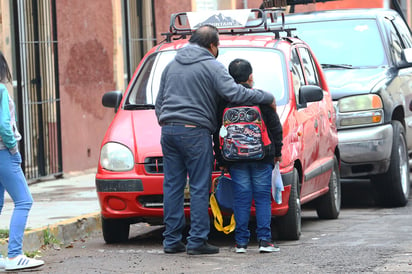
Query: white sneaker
[(2, 262), (240, 248), (265, 246), (22, 262)]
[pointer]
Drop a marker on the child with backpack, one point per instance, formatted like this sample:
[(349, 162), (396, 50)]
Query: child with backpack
[(248, 143)]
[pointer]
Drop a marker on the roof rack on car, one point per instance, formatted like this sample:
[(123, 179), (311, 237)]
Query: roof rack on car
[(241, 21)]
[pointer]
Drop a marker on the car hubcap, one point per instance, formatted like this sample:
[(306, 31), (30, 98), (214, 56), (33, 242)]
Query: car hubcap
[(403, 167), (334, 186)]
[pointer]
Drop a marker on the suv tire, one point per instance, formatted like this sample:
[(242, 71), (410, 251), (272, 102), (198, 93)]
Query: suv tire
[(393, 187)]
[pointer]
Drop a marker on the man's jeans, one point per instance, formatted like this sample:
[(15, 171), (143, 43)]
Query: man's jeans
[(13, 181), (187, 151), (252, 181)]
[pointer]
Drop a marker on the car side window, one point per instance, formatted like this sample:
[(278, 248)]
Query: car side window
[(297, 74), (403, 32), (309, 67), (395, 43)]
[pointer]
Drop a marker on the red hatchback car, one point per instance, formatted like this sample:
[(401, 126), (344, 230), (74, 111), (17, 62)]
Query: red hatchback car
[(130, 173)]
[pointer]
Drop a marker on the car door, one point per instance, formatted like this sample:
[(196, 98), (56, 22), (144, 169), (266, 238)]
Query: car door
[(399, 37), (307, 120)]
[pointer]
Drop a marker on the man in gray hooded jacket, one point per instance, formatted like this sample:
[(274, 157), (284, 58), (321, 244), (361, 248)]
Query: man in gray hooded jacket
[(191, 88)]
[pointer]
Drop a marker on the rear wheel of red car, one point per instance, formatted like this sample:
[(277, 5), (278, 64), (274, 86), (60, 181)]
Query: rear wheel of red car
[(393, 187), (115, 230), (328, 205), (289, 227)]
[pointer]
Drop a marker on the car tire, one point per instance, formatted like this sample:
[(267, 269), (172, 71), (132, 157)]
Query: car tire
[(328, 205), (393, 187), (289, 226), (115, 230)]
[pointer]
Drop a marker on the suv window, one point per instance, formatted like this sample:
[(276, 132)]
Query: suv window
[(269, 73), (352, 42), (404, 32), (396, 43)]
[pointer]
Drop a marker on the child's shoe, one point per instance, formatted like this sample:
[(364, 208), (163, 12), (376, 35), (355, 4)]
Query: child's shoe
[(22, 262), (240, 248), (265, 246)]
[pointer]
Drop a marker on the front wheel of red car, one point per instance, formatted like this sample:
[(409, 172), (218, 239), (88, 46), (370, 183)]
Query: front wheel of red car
[(289, 226), (115, 230)]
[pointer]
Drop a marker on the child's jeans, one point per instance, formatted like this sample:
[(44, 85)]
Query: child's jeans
[(13, 181), (252, 181)]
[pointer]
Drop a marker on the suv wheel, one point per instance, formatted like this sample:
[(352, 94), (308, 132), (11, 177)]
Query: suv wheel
[(289, 227), (115, 230), (393, 187), (328, 205)]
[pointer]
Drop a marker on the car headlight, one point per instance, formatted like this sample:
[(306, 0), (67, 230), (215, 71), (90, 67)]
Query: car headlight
[(359, 110), (116, 157)]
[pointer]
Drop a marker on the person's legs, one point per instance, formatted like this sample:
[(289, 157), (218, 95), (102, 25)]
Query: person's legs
[(198, 154), (14, 182), (261, 177), (175, 175), (242, 195)]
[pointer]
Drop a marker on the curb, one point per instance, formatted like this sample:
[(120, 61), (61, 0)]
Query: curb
[(64, 232)]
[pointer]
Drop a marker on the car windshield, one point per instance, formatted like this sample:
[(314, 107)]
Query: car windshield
[(268, 73), (344, 43)]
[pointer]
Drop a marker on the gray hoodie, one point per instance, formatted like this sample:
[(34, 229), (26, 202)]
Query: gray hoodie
[(193, 85)]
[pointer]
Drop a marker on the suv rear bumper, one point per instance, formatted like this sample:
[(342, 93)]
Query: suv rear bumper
[(365, 151)]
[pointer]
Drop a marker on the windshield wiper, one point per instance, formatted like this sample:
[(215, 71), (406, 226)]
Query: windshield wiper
[(140, 106), (336, 66)]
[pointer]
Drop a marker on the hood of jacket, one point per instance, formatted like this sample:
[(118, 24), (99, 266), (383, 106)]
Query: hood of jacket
[(192, 53)]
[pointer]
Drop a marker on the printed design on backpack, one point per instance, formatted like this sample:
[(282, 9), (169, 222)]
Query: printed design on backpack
[(243, 135)]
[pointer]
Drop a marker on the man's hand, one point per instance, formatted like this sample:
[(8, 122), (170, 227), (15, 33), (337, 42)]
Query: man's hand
[(278, 159)]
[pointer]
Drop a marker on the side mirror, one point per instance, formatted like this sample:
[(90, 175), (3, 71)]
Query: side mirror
[(309, 93), (112, 99)]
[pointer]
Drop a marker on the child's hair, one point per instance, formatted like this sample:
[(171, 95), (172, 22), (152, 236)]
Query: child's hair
[(5, 75), (240, 70)]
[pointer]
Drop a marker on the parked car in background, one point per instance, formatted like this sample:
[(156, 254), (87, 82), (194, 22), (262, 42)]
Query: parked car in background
[(366, 57), (129, 180)]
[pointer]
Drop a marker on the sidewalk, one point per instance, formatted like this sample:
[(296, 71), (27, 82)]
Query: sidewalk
[(67, 208)]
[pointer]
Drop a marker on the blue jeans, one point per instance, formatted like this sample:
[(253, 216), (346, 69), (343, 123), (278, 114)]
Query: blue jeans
[(13, 181), (252, 181), (187, 152)]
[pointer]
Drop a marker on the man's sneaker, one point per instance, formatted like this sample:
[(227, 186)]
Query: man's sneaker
[(2, 262), (203, 249), (177, 248), (22, 262), (265, 246), (240, 248)]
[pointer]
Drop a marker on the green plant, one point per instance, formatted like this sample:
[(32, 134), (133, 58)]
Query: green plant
[(49, 238), (4, 233), (32, 254)]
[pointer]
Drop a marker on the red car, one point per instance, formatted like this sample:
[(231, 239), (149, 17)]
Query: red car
[(130, 172)]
